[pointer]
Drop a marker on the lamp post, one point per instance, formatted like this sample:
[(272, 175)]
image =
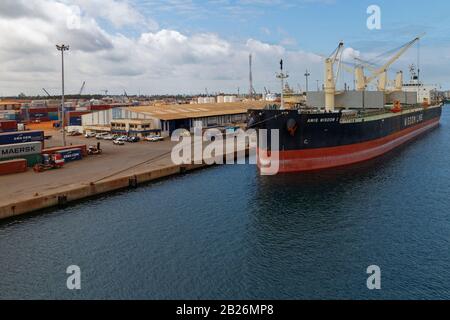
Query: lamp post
[(63, 48)]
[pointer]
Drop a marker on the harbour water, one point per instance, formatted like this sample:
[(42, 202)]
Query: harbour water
[(227, 233)]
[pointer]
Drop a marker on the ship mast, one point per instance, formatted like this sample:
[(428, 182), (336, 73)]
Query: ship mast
[(282, 76)]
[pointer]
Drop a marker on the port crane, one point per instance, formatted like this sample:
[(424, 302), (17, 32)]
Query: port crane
[(82, 88), (47, 92)]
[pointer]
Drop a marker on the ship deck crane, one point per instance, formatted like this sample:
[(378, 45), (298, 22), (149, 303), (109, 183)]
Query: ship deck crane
[(331, 77), (381, 72)]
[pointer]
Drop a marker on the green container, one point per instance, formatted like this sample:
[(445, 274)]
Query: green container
[(32, 159)]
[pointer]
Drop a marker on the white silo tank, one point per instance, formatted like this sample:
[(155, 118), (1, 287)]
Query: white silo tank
[(220, 99)]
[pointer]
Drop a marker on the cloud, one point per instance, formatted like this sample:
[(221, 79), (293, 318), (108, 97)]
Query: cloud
[(118, 13), (155, 61), (149, 60)]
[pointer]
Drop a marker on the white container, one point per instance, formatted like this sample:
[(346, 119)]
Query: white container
[(20, 149)]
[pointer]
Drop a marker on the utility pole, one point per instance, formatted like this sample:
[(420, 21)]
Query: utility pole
[(307, 74), (282, 77), (63, 48), (318, 89)]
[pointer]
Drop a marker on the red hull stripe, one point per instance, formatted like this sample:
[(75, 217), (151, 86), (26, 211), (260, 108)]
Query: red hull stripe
[(318, 159)]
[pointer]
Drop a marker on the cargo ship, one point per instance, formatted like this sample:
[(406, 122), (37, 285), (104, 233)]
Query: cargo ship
[(335, 129)]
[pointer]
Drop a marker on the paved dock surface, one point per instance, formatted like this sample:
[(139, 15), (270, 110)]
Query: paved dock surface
[(114, 162), (92, 168)]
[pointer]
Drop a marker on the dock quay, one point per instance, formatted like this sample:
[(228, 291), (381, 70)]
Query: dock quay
[(119, 167)]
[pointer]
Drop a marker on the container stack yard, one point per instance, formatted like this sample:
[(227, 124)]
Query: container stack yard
[(21, 145)]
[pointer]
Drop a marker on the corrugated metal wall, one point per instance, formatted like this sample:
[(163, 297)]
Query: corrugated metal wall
[(349, 99), (104, 118)]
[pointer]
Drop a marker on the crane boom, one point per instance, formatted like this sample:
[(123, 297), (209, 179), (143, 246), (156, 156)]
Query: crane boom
[(391, 61), (82, 88), (47, 92)]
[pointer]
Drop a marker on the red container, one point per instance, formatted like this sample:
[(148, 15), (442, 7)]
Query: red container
[(100, 108), (56, 149), (52, 109), (37, 110), (13, 166), (41, 119), (73, 114), (8, 125)]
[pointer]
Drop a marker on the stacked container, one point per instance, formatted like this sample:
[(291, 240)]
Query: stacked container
[(22, 145), (73, 118), (8, 126)]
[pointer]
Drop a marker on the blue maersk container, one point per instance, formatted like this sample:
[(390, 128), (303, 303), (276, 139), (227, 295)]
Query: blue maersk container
[(21, 137), (71, 155)]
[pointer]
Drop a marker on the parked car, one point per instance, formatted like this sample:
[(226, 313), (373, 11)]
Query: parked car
[(133, 139), (101, 136), (118, 142), (90, 135), (122, 138), (154, 138), (108, 137), (74, 133)]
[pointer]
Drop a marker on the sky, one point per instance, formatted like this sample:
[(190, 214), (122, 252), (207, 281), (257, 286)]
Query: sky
[(194, 46)]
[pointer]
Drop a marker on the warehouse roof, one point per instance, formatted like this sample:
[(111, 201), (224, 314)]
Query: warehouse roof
[(186, 111)]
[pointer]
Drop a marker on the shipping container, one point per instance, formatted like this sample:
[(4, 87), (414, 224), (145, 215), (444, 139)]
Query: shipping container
[(18, 150), (11, 116), (74, 121), (37, 110), (42, 119), (21, 137), (8, 126), (13, 166), (76, 113), (53, 116), (38, 115), (56, 149), (31, 159), (70, 155), (99, 107)]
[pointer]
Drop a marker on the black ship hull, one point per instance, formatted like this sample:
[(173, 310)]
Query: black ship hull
[(314, 141)]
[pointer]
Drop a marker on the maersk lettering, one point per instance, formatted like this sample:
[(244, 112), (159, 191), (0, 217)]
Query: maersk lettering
[(14, 151)]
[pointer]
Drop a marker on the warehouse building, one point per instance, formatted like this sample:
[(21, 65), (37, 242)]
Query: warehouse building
[(165, 119)]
